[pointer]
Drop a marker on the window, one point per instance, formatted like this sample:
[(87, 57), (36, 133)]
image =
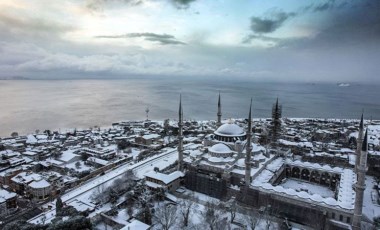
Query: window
[(340, 218), (333, 215), (348, 220)]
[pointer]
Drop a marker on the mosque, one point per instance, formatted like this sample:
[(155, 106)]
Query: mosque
[(229, 165)]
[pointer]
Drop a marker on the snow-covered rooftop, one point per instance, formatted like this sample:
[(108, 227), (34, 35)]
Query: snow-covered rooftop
[(220, 148), (5, 195), (67, 156), (314, 166), (166, 178), (136, 225), (346, 194), (39, 184), (230, 129)]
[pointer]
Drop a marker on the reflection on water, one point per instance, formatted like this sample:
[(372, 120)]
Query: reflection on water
[(30, 105)]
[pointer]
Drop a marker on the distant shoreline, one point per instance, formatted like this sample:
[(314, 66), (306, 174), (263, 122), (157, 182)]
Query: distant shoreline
[(66, 130)]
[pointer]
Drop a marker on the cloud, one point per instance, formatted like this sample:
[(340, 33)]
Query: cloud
[(99, 5), (182, 4), (33, 61), (248, 39), (13, 24), (163, 39), (354, 24), (269, 23), (324, 6)]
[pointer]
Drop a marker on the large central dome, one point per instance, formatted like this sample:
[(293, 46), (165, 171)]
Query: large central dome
[(230, 130)]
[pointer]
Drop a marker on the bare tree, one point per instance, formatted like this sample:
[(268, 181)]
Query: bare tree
[(101, 194), (130, 210), (185, 208), (213, 216), (145, 197), (232, 208), (165, 215), (267, 217), (252, 220)]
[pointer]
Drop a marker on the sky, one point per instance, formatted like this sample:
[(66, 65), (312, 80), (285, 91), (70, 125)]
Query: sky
[(284, 40)]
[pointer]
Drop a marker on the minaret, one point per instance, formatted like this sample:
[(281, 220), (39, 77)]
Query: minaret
[(219, 114), (180, 135), (360, 185), (248, 149), (359, 142), (276, 123)]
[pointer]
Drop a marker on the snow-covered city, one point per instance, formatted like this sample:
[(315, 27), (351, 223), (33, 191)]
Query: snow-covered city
[(250, 173), (189, 115)]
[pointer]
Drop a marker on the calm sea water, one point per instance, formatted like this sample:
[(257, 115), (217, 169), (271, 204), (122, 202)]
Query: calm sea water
[(43, 104)]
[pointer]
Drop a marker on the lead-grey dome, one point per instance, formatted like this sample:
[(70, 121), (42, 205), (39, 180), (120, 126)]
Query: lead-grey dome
[(230, 130)]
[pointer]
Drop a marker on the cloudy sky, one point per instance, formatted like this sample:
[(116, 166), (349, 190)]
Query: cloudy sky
[(336, 40)]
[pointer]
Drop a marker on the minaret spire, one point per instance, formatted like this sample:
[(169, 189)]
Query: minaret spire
[(277, 103), (359, 142), (219, 114), (360, 184), (180, 135), (276, 123), (248, 148)]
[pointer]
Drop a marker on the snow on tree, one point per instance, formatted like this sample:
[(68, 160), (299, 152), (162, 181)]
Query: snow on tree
[(214, 216), (232, 208), (165, 215), (185, 209), (252, 220), (147, 214)]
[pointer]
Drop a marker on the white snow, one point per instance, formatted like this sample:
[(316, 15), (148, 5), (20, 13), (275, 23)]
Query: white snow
[(67, 156), (370, 207), (310, 188), (166, 178), (39, 184), (346, 194), (85, 191), (136, 225)]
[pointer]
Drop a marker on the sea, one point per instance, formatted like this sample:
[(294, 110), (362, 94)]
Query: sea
[(30, 105)]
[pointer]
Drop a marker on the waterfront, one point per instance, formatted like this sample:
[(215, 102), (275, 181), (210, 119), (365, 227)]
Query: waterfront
[(53, 104)]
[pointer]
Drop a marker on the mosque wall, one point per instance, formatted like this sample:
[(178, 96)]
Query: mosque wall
[(312, 215), (206, 184)]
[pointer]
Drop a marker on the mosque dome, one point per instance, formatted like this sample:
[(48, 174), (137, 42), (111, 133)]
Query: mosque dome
[(240, 163), (230, 130), (220, 148)]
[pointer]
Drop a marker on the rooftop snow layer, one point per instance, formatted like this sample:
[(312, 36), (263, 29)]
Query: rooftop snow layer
[(346, 195)]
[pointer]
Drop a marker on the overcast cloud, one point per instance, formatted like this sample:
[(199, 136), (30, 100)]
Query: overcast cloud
[(276, 40)]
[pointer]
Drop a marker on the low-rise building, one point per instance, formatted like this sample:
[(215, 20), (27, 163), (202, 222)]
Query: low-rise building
[(169, 182), (38, 186), (8, 202), (39, 190), (147, 139)]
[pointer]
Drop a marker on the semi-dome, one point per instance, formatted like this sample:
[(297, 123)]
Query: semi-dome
[(220, 148), (240, 163), (230, 130)]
